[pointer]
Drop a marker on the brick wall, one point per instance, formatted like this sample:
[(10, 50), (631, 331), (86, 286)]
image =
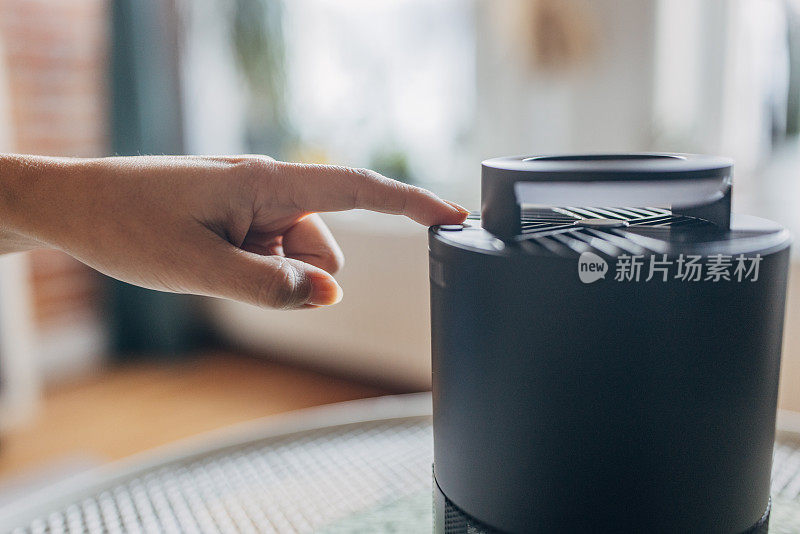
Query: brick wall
[(56, 61)]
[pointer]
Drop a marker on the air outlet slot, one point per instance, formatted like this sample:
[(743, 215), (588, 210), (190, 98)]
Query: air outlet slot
[(555, 229)]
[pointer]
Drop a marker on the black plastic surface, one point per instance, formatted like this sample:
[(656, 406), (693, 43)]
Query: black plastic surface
[(563, 403), (567, 402), (686, 235), (501, 209), (450, 519)]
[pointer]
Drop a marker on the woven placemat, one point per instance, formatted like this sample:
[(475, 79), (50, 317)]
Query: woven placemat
[(364, 477)]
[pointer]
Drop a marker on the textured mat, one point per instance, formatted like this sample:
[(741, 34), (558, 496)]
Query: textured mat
[(364, 477)]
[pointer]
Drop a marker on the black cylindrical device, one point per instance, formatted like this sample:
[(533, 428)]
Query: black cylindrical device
[(606, 346)]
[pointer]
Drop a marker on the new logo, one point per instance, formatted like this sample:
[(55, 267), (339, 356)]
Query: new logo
[(591, 267)]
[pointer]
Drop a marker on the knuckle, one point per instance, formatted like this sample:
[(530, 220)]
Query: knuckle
[(257, 166), (267, 170), (406, 191), (397, 196), (367, 174), (255, 175), (249, 165), (425, 192), (375, 189), (421, 192), (356, 178), (331, 261), (338, 261)]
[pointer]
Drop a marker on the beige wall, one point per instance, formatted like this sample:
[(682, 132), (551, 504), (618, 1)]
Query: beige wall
[(790, 367)]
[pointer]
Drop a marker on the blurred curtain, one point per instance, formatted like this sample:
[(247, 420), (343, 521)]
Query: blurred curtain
[(146, 119)]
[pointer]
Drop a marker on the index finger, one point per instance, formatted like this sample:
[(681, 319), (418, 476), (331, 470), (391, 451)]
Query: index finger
[(333, 188)]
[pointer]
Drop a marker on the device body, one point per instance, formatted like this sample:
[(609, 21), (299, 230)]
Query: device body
[(569, 403)]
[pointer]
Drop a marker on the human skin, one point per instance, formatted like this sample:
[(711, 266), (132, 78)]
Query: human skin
[(240, 227)]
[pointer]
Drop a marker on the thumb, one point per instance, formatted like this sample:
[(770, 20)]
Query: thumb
[(273, 281)]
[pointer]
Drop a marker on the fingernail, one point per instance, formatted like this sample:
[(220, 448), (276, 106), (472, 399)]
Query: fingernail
[(325, 292)]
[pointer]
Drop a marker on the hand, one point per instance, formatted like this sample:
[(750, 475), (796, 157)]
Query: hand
[(243, 227)]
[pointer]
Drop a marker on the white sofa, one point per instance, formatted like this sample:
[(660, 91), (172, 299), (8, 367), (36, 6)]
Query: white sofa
[(381, 329)]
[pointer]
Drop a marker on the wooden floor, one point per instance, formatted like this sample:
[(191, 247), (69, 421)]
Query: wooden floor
[(130, 409)]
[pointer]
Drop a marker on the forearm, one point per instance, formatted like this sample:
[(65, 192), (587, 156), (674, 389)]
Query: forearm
[(36, 196), (15, 171)]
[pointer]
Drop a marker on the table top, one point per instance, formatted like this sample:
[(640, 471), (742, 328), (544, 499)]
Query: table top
[(360, 466), (160, 402)]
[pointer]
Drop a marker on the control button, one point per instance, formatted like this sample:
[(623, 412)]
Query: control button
[(451, 227), (601, 223)]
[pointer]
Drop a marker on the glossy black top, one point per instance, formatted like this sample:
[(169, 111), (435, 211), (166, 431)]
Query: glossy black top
[(610, 167)]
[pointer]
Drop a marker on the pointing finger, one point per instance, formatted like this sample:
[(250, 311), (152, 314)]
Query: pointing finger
[(333, 188)]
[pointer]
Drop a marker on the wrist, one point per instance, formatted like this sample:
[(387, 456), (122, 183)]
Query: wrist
[(29, 201)]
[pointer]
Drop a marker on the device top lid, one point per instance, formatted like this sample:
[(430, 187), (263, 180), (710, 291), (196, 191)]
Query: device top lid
[(688, 184), (616, 167)]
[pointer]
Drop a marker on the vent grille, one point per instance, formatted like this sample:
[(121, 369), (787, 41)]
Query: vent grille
[(458, 522), (537, 221), (553, 230)]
